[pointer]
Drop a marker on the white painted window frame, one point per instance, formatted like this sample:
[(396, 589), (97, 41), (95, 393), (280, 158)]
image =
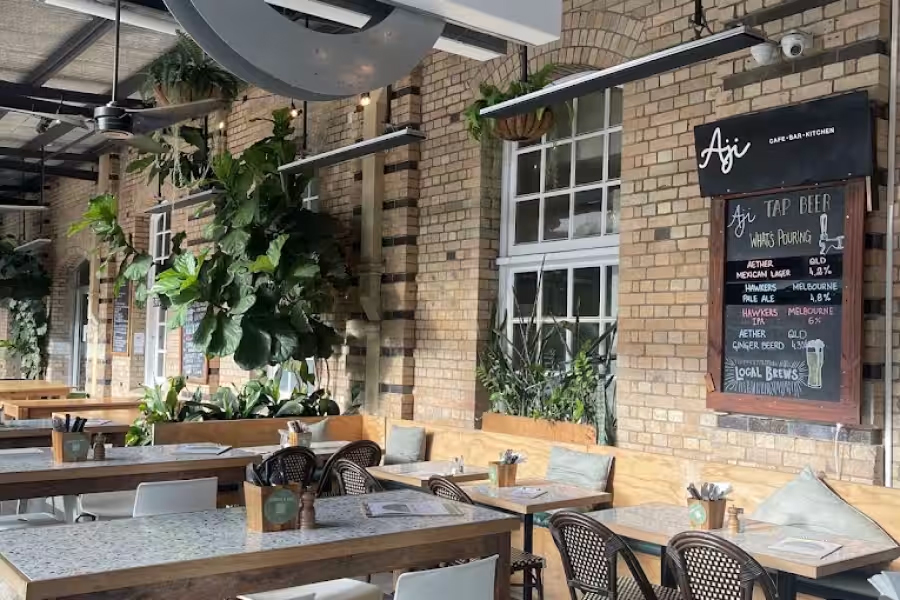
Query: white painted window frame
[(155, 344)]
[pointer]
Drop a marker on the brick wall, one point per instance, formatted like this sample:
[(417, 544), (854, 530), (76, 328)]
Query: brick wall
[(441, 215)]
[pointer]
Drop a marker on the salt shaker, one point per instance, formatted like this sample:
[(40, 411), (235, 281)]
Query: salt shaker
[(308, 510)]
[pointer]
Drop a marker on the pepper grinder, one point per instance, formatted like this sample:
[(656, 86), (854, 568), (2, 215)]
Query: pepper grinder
[(308, 510), (734, 523), (99, 447)]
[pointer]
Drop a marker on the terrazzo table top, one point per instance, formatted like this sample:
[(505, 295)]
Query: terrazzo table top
[(417, 474), (37, 464), (656, 523), (531, 496), (321, 449), (95, 554)]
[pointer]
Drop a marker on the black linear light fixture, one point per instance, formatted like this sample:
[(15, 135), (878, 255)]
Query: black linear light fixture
[(34, 245), (21, 207), (670, 59), (403, 137), (192, 200)]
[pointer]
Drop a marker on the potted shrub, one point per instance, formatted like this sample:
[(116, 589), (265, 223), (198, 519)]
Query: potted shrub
[(186, 74), (518, 128)]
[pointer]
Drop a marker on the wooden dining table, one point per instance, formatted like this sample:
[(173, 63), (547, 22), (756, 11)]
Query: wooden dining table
[(655, 524), (211, 554), (32, 472), (114, 409), (35, 433), (417, 474), (25, 389), (531, 496)]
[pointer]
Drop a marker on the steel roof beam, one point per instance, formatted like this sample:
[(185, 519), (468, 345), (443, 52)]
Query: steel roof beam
[(8, 88), (24, 167), (62, 156)]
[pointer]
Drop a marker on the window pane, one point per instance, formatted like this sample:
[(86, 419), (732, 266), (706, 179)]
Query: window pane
[(615, 155), (312, 189), (612, 209), (591, 112), (589, 160), (524, 293), (527, 215), (554, 290), (605, 346), (586, 290), (160, 365), (523, 339), (615, 107), (553, 349), (589, 213), (528, 174), (611, 307), (556, 217), (559, 167), (587, 333), (562, 123)]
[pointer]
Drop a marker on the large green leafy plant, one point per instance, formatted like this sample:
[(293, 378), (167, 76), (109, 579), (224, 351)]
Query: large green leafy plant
[(524, 380), (24, 285), (186, 73), (273, 267)]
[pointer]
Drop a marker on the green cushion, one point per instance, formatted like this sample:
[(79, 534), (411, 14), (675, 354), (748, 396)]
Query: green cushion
[(405, 445), (806, 501), (581, 469), (542, 519), (320, 431)]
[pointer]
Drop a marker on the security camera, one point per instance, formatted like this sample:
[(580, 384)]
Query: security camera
[(795, 44)]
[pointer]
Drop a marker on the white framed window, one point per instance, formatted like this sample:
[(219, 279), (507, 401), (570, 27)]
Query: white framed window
[(311, 195), (160, 248), (560, 229), (563, 192)]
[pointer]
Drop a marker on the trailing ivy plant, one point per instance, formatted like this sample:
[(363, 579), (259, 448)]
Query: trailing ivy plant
[(24, 285), (490, 94), (273, 268)]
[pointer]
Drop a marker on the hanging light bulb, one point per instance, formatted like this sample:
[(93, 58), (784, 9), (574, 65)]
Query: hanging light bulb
[(221, 125), (364, 99), (294, 111)]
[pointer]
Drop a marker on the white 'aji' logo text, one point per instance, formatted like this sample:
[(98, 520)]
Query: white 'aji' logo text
[(727, 153)]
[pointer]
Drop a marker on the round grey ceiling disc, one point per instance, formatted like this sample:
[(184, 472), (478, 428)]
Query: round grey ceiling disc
[(263, 47)]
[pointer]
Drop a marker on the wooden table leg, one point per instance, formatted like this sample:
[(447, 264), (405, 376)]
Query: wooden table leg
[(501, 583)]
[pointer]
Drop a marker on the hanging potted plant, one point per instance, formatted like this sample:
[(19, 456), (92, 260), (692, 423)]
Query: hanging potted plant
[(518, 128), (186, 74)]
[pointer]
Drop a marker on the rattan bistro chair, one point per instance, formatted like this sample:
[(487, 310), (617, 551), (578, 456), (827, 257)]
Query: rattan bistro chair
[(708, 567), (590, 553), (530, 565), (365, 453), (299, 464), (353, 480)]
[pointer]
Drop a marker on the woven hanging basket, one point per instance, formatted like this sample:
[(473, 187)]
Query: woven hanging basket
[(524, 128)]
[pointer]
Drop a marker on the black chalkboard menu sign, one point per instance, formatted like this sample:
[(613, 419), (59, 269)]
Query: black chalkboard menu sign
[(193, 361), (784, 297), (121, 319)]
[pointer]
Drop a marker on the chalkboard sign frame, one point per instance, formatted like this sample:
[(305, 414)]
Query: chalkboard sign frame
[(847, 409), (126, 288), (191, 379)]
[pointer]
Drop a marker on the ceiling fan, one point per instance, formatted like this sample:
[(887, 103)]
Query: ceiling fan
[(128, 125)]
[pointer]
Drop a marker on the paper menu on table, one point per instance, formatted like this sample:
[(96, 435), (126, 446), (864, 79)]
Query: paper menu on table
[(812, 548), (201, 448), (887, 584), (527, 493), (428, 508)]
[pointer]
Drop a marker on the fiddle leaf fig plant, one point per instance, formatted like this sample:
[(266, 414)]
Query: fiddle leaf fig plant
[(273, 267)]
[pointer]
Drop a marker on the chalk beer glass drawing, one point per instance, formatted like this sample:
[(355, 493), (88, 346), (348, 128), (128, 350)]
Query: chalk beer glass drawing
[(815, 359)]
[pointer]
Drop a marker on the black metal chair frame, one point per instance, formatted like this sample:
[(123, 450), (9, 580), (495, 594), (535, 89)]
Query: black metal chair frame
[(325, 483), (343, 467), (291, 454)]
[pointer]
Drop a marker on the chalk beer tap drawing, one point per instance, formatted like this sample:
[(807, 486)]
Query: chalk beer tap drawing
[(828, 243)]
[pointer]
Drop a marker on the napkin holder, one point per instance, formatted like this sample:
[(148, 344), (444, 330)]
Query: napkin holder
[(70, 447), (297, 438), (706, 514), (502, 475), (272, 507)]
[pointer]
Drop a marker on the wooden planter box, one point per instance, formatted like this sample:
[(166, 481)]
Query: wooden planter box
[(542, 429), (251, 432)]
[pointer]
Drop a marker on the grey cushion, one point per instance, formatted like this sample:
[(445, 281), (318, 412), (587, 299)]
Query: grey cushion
[(581, 469), (405, 445), (320, 431), (808, 502)]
